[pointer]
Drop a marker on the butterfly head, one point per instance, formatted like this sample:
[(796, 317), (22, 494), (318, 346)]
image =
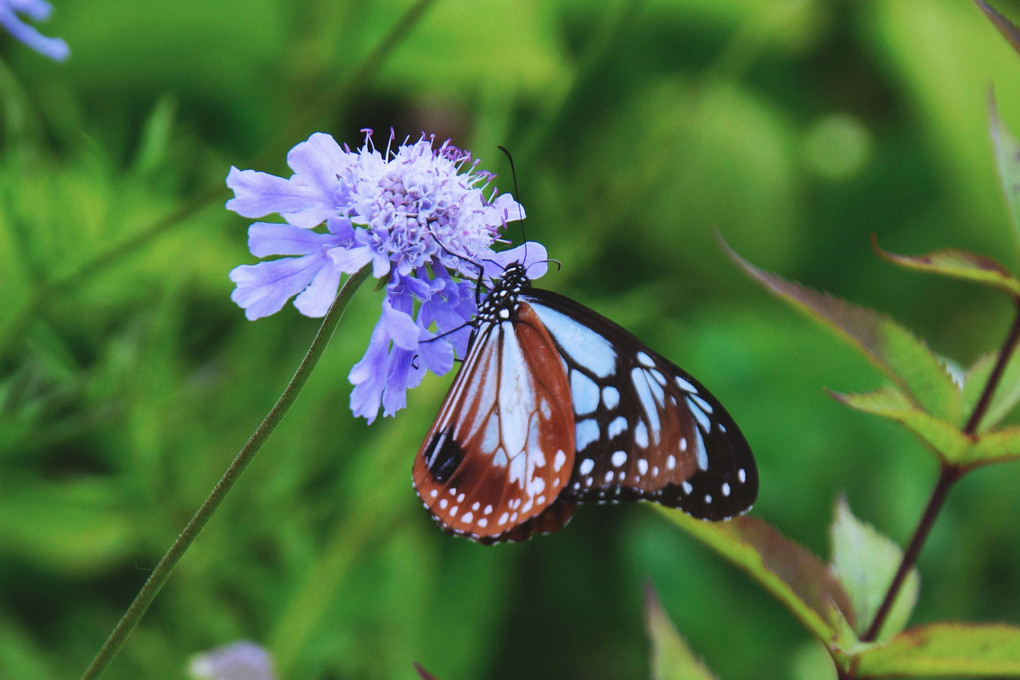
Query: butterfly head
[(501, 302)]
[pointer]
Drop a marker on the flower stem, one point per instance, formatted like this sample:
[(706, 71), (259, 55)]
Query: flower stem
[(161, 573), (947, 477)]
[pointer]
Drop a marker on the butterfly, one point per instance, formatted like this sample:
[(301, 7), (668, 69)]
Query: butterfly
[(556, 405)]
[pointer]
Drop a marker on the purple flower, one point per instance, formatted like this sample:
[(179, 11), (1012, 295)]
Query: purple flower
[(418, 214), (54, 48), (237, 661)]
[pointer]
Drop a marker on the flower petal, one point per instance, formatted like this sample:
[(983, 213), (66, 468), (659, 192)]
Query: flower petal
[(264, 288), (315, 300), (531, 254), (319, 160), (257, 194), (369, 375), (268, 238), (400, 326), (54, 48), (350, 260)]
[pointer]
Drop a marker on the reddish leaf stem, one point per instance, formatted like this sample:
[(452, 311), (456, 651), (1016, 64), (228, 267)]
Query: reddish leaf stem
[(947, 477), (996, 376)]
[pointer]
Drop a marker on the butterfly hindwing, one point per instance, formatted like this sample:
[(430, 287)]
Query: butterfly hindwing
[(644, 428), (502, 448)]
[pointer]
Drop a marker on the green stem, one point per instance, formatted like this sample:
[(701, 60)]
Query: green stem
[(160, 575)]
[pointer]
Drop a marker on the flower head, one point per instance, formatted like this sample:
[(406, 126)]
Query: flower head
[(54, 48), (418, 214), (236, 661)]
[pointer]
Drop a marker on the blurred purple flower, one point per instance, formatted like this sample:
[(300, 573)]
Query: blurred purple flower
[(236, 661), (54, 48), (418, 214)]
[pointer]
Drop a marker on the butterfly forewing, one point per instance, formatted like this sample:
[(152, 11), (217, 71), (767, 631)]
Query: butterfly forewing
[(502, 448), (644, 429)]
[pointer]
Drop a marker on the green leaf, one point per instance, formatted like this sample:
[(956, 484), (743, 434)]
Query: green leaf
[(1006, 27), (945, 439), (959, 264), (946, 649), (865, 563), (995, 447), (1007, 156), (906, 359), (1006, 396), (789, 571), (672, 657)]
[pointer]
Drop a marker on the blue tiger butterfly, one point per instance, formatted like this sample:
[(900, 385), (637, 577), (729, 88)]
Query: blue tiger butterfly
[(554, 406)]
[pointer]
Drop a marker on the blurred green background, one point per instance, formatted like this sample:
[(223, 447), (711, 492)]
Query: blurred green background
[(795, 128)]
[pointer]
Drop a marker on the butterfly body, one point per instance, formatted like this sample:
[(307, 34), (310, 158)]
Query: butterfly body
[(556, 405)]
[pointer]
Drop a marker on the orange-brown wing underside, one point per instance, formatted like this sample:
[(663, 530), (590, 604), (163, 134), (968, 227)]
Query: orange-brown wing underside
[(502, 447)]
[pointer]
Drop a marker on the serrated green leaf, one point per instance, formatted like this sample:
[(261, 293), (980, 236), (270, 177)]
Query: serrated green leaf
[(865, 563), (946, 649), (1007, 157), (789, 571), (946, 440), (672, 657), (995, 447), (1006, 27), (906, 359), (959, 264), (1007, 394)]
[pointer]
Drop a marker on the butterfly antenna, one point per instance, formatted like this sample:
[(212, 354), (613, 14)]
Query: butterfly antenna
[(517, 193)]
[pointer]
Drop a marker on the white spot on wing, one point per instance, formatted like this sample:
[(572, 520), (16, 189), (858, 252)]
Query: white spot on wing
[(645, 360), (559, 460), (644, 392), (585, 432), (580, 343), (619, 458), (705, 406), (642, 465), (587, 465), (584, 392), (610, 397), (701, 451), (703, 422), (687, 487), (741, 475), (641, 435), (618, 425), (685, 386)]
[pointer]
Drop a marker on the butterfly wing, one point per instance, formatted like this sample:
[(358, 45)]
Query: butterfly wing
[(644, 428), (502, 448)]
